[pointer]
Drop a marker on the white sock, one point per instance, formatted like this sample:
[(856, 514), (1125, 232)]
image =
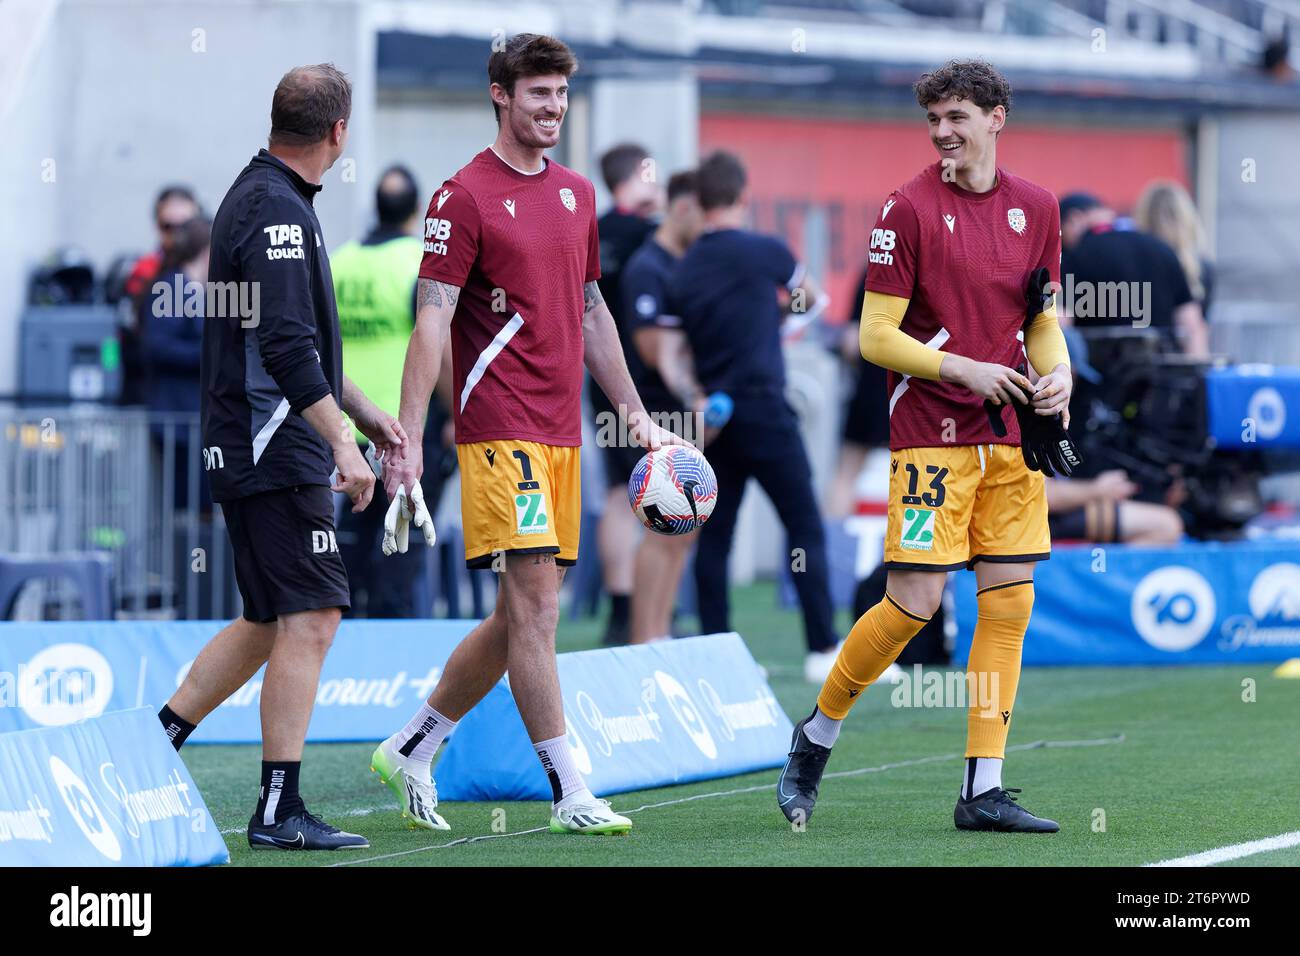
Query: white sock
[(822, 730), (557, 761), (418, 741), (982, 774)]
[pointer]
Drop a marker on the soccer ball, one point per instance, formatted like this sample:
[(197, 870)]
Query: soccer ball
[(673, 490)]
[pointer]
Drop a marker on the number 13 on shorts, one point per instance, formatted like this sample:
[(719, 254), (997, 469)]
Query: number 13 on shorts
[(930, 496), (959, 503)]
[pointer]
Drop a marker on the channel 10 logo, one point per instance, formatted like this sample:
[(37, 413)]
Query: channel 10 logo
[(64, 683)]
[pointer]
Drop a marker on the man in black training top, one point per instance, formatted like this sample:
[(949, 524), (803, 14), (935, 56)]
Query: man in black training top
[(272, 385)]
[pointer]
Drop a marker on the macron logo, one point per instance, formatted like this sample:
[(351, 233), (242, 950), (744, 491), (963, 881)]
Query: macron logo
[(443, 197), (888, 206), (510, 206), (951, 221)]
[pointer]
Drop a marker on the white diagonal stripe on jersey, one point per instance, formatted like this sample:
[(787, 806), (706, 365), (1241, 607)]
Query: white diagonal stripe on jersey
[(936, 342), (488, 354), (264, 436)]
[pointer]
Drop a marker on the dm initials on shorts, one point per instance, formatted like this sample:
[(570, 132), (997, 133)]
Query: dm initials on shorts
[(323, 542)]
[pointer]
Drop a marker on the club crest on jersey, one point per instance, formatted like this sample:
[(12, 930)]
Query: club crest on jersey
[(1016, 220), (566, 197)]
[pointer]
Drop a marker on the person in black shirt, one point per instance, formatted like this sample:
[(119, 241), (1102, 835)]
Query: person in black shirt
[(725, 292), (660, 364), (866, 414), (628, 176), (272, 385), (1116, 276)]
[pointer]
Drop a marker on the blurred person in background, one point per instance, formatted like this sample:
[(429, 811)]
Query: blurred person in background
[(1098, 509), (1166, 211), (662, 368), (170, 327), (1097, 256), (866, 414), (724, 290), (374, 285), (628, 175), (174, 207), (1275, 61)]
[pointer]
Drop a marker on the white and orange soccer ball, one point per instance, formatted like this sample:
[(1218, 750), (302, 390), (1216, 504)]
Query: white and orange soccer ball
[(673, 490)]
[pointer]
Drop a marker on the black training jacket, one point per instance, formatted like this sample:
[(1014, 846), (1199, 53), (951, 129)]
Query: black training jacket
[(271, 336)]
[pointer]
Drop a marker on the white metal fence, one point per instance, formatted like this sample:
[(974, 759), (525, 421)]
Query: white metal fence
[(121, 482)]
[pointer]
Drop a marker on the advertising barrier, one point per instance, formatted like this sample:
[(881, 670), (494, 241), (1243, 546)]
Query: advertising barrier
[(374, 678), (638, 717), (1194, 604), (104, 792)]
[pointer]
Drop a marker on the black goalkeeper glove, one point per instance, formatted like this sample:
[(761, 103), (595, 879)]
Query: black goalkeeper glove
[(1044, 440)]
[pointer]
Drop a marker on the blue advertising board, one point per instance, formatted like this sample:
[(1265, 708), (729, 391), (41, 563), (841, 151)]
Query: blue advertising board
[(1253, 406), (1196, 603), (109, 791), (375, 675), (637, 717)]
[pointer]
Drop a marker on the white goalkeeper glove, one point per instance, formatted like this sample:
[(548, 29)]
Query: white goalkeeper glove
[(403, 511)]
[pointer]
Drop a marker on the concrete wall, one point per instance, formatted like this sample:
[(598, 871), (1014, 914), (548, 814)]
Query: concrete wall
[(125, 95), (660, 113), (432, 135), (28, 195)]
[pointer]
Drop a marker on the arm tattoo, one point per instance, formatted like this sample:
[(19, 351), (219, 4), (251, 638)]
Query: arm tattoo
[(427, 292), (591, 297)]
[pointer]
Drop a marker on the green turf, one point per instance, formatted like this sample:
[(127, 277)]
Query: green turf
[(1197, 768)]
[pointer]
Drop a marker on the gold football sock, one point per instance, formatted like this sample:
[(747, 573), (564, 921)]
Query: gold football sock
[(993, 672), (872, 645)]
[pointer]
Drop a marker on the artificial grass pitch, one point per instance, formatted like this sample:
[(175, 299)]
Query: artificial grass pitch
[(1139, 765)]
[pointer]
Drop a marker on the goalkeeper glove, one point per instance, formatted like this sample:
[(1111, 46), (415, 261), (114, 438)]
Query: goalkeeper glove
[(403, 511), (1044, 440)]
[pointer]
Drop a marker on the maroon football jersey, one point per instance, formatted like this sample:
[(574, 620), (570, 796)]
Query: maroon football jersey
[(964, 260), (521, 248)]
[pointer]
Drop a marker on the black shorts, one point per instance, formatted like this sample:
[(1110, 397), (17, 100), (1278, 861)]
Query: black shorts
[(866, 417), (620, 460), (286, 553)]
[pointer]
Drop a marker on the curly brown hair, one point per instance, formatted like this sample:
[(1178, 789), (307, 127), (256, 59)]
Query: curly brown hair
[(973, 80)]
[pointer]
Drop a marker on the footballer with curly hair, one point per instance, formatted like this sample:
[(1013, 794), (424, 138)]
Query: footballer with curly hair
[(959, 260)]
